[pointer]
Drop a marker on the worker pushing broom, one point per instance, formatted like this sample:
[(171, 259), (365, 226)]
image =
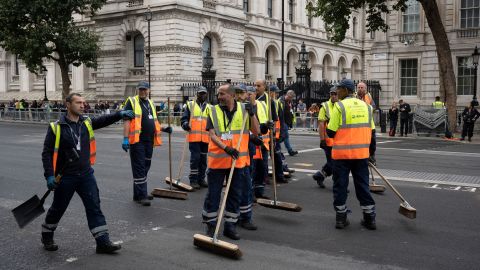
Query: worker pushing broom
[(228, 124)]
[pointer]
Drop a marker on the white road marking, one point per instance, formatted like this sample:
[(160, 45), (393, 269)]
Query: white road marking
[(72, 259), (385, 142), (118, 242), (156, 228), (433, 152), (309, 150), (188, 216)]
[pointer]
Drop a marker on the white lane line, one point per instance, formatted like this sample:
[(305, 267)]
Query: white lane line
[(385, 142), (415, 180), (316, 149), (433, 152)]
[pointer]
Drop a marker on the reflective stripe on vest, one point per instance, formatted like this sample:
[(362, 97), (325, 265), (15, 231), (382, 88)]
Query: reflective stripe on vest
[(229, 135), (136, 123), (352, 139), (198, 123), (327, 105), (91, 135)]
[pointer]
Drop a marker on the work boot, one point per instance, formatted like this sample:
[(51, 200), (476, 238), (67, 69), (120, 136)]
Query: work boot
[(319, 177), (203, 184), (248, 225), (282, 180), (369, 221), (231, 233), (49, 244), (144, 202), (341, 221), (469, 139), (150, 197), (195, 185), (107, 247), (293, 153), (290, 170), (210, 231)]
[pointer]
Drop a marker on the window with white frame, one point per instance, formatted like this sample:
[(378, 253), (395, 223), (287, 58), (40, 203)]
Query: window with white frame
[(138, 51), (291, 11), (408, 77), (470, 13), (267, 61), (270, 8), (411, 17), (354, 27), (309, 15), (465, 76), (16, 70), (246, 6)]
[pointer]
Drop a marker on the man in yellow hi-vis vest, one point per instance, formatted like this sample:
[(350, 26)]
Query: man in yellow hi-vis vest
[(72, 133), (140, 135)]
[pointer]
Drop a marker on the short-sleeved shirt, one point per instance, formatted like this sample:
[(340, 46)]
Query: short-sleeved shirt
[(148, 125)]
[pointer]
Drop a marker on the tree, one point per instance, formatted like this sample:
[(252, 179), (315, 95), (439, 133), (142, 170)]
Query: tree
[(36, 30), (336, 15)]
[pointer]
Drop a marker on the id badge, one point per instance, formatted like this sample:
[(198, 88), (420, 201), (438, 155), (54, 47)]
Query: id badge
[(78, 145), (227, 136), (150, 116)]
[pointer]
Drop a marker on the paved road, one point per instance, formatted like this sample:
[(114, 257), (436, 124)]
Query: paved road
[(440, 179)]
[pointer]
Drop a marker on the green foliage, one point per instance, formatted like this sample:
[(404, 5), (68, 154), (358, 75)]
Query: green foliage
[(39, 29), (336, 14)]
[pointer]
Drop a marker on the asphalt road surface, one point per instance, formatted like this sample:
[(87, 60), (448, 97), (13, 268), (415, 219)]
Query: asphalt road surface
[(441, 179)]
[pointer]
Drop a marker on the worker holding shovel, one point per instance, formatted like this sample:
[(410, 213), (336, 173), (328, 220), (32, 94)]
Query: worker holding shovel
[(74, 132)]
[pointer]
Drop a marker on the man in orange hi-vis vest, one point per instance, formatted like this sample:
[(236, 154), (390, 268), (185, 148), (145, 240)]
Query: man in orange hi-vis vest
[(140, 135), (351, 126), (194, 121), (224, 125), (73, 132), (363, 94)]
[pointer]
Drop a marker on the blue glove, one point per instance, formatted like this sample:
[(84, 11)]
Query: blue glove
[(127, 114), (167, 130), (125, 144), (51, 183)]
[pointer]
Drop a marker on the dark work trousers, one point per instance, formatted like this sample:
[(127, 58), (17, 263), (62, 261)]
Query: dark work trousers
[(278, 162), (198, 161), (467, 130), (246, 201), (328, 166), (403, 126), (212, 202), (393, 127), (141, 159), (260, 173), (86, 188), (359, 170)]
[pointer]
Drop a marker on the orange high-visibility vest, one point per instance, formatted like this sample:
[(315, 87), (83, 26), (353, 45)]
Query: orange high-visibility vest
[(278, 105), (352, 139), (136, 123), (262, 113), (367, 99), (328, 106), (229, 135), (93, 145), (198, 123), (258, 153)]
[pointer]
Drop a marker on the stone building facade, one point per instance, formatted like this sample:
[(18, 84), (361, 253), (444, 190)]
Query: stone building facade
[(244, 39)]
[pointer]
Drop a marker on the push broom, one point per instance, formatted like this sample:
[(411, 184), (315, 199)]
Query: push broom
[(276, 204), (176, 182), (373, 186), (405, 208), (169, 193), (213, 244)]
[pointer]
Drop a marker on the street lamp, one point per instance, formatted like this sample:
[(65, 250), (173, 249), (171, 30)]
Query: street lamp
[(475, 56), (44, 71), (148, 18), (303, 57), (208, 61), (303, 73), (208, 75), (343, 74)]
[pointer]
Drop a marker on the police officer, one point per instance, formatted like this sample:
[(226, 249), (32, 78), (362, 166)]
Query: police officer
[(266, 126), (140, 135), (246, 94), (437, 104), (224, 126), (326, 143), (351, 126), (74, 132), (198, 137)]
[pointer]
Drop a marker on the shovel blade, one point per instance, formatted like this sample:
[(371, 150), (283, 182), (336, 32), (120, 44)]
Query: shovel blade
[(28, 211)]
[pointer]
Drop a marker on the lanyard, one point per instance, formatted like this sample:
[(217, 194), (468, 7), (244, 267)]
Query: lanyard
[(76, 139), (146, 107)]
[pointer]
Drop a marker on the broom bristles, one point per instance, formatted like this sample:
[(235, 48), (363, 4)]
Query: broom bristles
[(218, 247), (280, 205), (170, 194)]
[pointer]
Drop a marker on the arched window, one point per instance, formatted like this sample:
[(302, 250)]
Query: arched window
[(411, 17), (354, 30), (288, 63), (206, 46), (139, 51), (290, 10), (16, 70), (267, 60)]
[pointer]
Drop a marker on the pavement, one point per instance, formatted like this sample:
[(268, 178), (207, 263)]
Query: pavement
[(440, 178)]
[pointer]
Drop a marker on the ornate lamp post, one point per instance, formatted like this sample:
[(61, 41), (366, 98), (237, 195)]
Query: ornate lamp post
[(44, 71), (475, 57), (148, 18), (303, 73), (343, 74), (208, 75)]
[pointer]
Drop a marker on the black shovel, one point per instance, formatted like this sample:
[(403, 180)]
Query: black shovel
[(33, 207)]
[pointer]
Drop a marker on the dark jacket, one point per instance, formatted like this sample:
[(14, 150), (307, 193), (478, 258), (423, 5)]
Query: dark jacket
[(393, 114), (470, 116), (67, 143), (287, 112), (404, 110)]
